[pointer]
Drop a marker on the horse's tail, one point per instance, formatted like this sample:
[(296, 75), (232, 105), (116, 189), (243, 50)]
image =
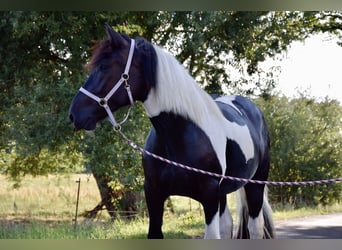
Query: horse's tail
[(243, 216)]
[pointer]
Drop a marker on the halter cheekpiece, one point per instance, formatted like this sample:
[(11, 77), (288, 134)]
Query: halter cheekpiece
[(103, 102)]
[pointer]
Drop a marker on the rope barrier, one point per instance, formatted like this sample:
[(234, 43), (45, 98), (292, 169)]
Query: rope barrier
[(273, 183)]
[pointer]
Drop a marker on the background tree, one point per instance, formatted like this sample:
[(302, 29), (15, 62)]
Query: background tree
[(306, 144), (43, 54)]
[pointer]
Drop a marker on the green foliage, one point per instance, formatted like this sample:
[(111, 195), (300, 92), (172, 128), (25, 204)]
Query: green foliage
[(107, 153), (306, 144), (42, 56), (210, 42)]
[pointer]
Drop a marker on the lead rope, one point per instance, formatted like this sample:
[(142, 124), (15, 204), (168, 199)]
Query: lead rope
[(273, 183)]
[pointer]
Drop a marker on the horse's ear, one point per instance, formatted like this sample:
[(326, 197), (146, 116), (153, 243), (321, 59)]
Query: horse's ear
[(116, 39)]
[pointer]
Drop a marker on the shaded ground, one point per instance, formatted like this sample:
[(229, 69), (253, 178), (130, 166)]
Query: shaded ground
[(311, 227)]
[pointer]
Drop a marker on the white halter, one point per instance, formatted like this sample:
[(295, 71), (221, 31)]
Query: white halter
[(103, 102)]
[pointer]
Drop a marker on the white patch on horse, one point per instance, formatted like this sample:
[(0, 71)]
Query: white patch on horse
[(228, 99), (244, 140), (212, 230), (256, 226), (226, 224), (176, 91), (242, 136)]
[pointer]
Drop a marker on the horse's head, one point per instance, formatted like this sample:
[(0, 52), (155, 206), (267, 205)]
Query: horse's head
[(121, 71)]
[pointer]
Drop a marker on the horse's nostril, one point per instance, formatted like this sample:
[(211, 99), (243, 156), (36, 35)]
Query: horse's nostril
[(71, 117)]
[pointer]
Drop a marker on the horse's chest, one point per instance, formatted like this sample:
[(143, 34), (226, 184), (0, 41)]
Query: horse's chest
[(193, 147)]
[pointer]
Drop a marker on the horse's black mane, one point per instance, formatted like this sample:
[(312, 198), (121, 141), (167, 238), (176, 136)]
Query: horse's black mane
[(149, 60)]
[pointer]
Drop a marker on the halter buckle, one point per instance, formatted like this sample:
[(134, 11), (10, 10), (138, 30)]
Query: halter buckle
[(117, 128), (103, 102), (125, 76)]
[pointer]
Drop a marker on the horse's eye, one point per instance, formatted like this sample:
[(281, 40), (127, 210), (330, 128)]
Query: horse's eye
[(103, 67)]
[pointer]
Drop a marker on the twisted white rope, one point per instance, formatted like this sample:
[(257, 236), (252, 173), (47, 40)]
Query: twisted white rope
[(274, 183)]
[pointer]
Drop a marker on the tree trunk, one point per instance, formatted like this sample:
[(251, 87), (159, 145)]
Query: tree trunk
[(127, 200)]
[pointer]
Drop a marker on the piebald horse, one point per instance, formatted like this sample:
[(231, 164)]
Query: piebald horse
[(226, 135)]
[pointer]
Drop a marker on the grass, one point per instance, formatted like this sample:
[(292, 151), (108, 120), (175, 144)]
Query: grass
[(287, 213), (50, 197), (44, 208)]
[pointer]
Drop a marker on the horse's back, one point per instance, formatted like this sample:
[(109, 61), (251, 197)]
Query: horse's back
[(243, 111), (238, 108)]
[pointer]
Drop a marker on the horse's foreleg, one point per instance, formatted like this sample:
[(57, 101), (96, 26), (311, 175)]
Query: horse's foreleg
[(226, 220), (212, 227), (211, 205), (155, 206)]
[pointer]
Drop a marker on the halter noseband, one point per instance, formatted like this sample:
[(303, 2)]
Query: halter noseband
[(103, 102)]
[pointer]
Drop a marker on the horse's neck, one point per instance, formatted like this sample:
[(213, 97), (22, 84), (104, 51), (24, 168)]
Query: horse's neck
[(169, 125), (177, 133)]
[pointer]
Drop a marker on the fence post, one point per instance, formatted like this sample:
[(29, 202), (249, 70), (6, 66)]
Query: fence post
[(77, 200)]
